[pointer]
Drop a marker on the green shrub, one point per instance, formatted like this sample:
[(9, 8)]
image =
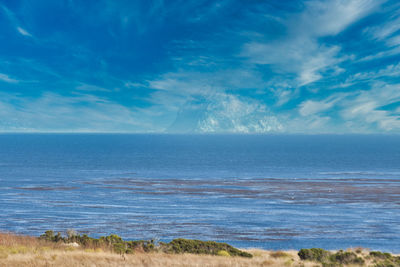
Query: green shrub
[(384, 259), (386, 263), (118, 245), (119, 248), (330, 260), (146, 245), (314, 254), (342, 257), (181, 245), (49, 236), (223, 253), (380, 255), (111, 239)]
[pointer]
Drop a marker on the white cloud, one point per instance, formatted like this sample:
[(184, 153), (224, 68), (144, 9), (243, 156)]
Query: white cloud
[(385, 30), (388, 32), (176, 91), (300, 51), (14, 20), (79, 113), (91, 88), (387, 53), (310, 107), (366, 108), (312, 124), (225, 113), (323, 18), (369, 113), (282, 95), (130, 84), (392, 70), (23, 32), (7, 79), (184, 82), (394, 41), (360, 111)]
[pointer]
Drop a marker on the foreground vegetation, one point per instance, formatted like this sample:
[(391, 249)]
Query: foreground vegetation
[(116, 244), (352, 258), (81, 250)]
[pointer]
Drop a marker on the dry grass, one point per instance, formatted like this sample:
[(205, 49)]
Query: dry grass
[(84, 258), (29, 251)]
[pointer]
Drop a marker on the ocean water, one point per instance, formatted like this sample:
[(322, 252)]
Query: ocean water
[(272, 192)]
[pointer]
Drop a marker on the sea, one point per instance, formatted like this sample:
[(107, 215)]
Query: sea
[(251, 191)]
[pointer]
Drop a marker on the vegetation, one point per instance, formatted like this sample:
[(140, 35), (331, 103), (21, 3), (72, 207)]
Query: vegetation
[(279, 254), (314, 254), (55, 249), (118, 245), (202, 247), (349, 258), (384, 259), (346, 257)]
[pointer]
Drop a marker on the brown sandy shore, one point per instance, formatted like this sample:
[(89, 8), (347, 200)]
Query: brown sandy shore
[(16, 250)]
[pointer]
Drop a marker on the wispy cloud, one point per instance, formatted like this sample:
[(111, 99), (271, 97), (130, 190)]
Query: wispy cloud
[(91, 88), (367, 108), (7, 79), (15, 21), (300, 51), (392, 70), (386, 30), (358, 111), (310, 107), (386, 33), (23, 32), (56, 113)]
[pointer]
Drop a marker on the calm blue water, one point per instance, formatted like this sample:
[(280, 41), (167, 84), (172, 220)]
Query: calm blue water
[(273, 192)]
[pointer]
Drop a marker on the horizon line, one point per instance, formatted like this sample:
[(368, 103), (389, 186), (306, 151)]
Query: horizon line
[(193, 133)]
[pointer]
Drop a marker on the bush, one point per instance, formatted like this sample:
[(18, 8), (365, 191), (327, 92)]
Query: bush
[(145, 245), (111, 239), (118, 245), (314, 254), (49, 236), (330, 260), (119, 248), (380, 255), (384, 259), (223, 253), (342, 257), (202, 247), (385, 263)]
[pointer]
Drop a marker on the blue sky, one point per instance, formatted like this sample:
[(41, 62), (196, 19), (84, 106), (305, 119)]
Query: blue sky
[(226, 66)]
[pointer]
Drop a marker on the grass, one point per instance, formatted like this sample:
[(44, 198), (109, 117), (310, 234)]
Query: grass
[(16, 250)]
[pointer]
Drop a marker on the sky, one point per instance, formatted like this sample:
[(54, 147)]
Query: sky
[(195, 66)]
